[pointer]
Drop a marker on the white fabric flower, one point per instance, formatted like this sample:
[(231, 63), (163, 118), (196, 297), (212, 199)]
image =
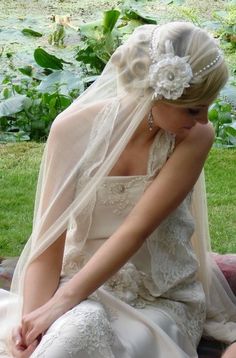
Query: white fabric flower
[(128, 285), (169, 76)]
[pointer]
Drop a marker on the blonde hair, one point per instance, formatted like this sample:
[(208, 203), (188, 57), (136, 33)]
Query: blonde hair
[(202, 49), (133, 61)]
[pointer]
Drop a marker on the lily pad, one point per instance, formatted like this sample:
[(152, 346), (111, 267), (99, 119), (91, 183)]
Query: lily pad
[(65, 80)]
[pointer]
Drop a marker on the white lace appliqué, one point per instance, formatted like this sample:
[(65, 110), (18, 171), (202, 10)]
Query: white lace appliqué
[(169, 75), (127, 284), (190, 317), (85, 328), (172, 257)]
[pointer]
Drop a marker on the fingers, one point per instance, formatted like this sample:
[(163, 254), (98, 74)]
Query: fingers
[(30, 349), (27, 332), (30, 337), (30, 331), (17, 336), (19, 348), (20, 352)]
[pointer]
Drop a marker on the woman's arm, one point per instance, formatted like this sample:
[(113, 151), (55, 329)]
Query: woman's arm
[(42, 276), (41, 281)]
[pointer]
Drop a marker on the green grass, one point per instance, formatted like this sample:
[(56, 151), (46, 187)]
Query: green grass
[(19, 165), (220, 172)]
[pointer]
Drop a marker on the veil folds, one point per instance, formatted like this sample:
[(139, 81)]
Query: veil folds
[(85, 142)]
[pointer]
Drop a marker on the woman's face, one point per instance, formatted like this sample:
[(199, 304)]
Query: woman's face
[(178, 120)]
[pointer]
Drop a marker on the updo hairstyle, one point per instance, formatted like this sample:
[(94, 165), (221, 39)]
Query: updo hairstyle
[(132, 60)]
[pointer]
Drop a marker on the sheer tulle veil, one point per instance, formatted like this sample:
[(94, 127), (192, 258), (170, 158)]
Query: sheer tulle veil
[(85, 142)]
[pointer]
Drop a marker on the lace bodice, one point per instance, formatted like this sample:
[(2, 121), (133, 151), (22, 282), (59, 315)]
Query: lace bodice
[(163, 270)]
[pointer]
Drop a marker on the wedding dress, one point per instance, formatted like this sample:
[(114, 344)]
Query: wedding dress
[(154, 306)]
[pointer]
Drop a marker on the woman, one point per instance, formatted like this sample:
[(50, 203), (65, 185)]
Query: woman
[(110, 270)]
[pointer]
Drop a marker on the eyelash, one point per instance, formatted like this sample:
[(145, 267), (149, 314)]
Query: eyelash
[(193, 112)]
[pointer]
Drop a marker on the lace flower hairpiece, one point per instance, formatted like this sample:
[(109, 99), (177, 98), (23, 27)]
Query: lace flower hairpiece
[(169, 74)]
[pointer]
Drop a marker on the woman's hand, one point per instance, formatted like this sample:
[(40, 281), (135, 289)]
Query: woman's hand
[(18, 348), (36, 323)]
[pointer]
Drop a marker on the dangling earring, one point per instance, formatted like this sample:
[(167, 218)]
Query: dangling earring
[(150, 120)]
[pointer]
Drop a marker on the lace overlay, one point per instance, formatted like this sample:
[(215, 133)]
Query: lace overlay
[(190, 316), (84, 330), (170, 285), (172, 257), (128, 285)]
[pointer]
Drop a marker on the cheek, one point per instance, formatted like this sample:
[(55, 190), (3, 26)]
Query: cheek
[(177, 119), (170, 118), (167, 122), (184, 119)]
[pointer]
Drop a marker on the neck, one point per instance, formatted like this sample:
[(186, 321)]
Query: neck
[(143, 134)]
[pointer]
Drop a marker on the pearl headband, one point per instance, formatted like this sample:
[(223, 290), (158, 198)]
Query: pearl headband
[(169, 74)]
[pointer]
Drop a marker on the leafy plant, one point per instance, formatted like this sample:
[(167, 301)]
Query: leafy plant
[(26, 113), (227, 20), (58, 36), (133, 10), (46, 60), (223, 117), (30, 32), (99, 41)]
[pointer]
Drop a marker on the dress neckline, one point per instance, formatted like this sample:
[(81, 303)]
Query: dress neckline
[(150, 158)]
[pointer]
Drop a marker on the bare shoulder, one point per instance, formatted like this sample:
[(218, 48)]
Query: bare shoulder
[(201, 135), (203, 132)]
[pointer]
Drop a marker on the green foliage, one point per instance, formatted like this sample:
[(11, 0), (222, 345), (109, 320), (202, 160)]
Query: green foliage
[(58, 36), (26, 113), (188, 14), (66, 81), (223, 117), (99, 41), (12, 105), (227, 25), (27, 70), (229, 93), (46, 60), (30, 32), (133, 10), (109, 20)]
